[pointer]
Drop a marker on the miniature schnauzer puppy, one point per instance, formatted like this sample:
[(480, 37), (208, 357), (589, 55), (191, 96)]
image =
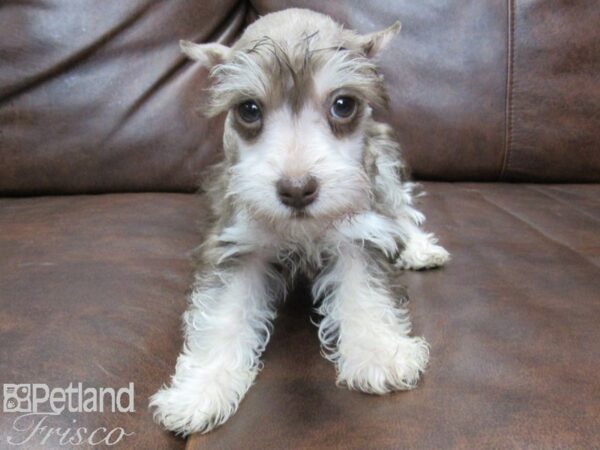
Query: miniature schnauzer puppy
[(309, 183)]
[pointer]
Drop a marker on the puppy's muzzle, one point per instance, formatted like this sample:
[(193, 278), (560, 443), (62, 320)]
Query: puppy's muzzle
[(297, 193)]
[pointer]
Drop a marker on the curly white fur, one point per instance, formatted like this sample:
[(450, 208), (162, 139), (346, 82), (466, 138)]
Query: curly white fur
[(227, 328), (363, 331)]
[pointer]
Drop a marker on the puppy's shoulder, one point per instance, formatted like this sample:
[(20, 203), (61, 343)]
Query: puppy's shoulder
[(383, 155)]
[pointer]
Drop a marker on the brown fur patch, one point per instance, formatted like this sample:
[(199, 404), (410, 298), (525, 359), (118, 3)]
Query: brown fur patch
[(277, 72)]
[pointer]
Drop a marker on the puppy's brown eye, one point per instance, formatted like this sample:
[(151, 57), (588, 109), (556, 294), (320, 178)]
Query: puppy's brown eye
[(343, 107), (249, 111)]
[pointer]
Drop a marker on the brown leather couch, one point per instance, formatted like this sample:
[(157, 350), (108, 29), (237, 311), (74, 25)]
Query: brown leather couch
[(101, 145)]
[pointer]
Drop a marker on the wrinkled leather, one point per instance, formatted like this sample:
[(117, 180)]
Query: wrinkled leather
[(96, 96), (92, 289), (99, 99)]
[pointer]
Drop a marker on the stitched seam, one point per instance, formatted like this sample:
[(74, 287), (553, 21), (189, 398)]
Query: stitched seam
[(509, 87)]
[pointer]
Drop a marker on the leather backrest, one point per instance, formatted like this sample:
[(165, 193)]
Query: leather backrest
[(553, 91), (96, 97)]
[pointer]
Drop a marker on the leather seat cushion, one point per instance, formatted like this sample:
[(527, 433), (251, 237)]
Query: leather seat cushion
[(92, 289)]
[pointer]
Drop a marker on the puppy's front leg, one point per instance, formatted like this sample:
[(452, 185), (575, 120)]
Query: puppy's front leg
[(227, 328), (365, 331), (421, 249)]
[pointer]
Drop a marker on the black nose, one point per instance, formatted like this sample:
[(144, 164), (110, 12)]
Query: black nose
[(297, 193)]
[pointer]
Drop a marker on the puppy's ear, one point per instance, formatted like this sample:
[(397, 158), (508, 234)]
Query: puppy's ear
[(373, 43), (208, 55)]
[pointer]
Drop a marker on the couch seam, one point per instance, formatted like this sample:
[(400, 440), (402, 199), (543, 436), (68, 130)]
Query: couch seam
[(539, 231), (562, 201), (508, 112)]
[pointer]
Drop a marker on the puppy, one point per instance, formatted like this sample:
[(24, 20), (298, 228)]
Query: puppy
[(311, 184)]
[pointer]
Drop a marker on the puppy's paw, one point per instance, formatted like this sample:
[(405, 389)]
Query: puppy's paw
[(422, 254), (395, 368), (197, 405)]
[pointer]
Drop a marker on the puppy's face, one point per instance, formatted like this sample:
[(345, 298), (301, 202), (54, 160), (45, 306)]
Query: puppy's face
[(295, 137), (297, 100)]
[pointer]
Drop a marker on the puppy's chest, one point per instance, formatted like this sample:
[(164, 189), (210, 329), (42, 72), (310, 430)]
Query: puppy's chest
[(302, 257)]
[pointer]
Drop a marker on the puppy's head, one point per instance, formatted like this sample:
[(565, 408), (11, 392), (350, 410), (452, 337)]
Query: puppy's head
[(298, 89)]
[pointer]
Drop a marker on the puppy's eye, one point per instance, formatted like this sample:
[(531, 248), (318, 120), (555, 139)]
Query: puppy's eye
[(249, 111), (343, 107)]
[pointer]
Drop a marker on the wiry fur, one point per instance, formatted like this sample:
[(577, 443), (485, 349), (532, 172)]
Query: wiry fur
[(361, 228)]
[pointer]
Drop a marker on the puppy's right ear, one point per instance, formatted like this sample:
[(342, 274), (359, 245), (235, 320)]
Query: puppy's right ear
[(374, 43), (208, 55)]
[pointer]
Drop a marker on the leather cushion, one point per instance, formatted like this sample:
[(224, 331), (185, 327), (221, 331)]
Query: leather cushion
[(554, 92), (97, 97), (92, 289)]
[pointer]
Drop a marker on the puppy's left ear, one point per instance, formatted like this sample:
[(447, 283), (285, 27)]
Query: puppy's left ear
[(208, 55), (374, 43)]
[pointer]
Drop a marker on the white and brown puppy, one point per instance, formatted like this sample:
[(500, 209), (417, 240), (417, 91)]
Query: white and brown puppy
[(310, 184)]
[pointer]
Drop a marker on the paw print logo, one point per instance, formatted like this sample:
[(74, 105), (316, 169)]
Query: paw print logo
[(17, 398)]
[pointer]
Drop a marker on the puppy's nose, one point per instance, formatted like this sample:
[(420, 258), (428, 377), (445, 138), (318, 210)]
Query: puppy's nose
[(297, 193)]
